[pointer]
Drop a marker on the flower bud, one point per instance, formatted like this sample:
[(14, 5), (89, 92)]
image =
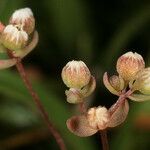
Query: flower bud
[(25, 18), (129, 64), (76, 74), (142, 81), (74, 96), (116, 82), (13, 38), (98, 117)]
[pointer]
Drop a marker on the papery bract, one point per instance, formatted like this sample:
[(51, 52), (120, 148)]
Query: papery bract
[(79, 125), (97, 118), (119, 115)]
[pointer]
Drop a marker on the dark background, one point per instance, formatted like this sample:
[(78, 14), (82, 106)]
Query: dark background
[(97, 32)]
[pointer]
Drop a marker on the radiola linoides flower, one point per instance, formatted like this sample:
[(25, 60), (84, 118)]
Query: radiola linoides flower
[(25, 18), (76, 74), (129, 64), (14, 38), (142, 81), (97, 118)]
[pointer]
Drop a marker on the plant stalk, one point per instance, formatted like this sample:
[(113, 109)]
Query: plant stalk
[(39, 105), (104, 139)]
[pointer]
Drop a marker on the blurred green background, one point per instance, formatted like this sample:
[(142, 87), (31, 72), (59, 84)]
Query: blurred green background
[(97, 32)]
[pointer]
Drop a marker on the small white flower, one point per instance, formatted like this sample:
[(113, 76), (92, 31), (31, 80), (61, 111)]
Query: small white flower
[(23, 17), (98, 118), (22, 14), (129, 64), (76, 74), (13, 38)]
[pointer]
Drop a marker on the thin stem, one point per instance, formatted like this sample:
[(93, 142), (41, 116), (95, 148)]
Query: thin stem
[(82, 107), (104, 140), (120, 101), (1, 27), (39, 105)]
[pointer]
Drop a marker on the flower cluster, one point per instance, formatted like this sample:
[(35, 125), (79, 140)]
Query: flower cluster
[(132, 75), (132, 82), (78, 78), (19, 37)]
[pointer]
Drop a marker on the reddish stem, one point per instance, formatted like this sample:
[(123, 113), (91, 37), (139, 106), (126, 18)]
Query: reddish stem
[(36, 99), (104, 140), (120, 100), (1, 27), (82, 107), (39, 105)]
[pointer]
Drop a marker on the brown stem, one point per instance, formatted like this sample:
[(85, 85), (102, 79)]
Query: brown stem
[(104, 140), (82, 107), (1, 27), (39, 105), (120, 100)]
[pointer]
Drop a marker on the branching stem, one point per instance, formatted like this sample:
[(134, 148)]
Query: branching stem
[(120, 100)]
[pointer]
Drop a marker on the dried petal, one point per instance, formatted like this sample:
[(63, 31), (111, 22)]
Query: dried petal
[(119, 115), (80, 126)]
